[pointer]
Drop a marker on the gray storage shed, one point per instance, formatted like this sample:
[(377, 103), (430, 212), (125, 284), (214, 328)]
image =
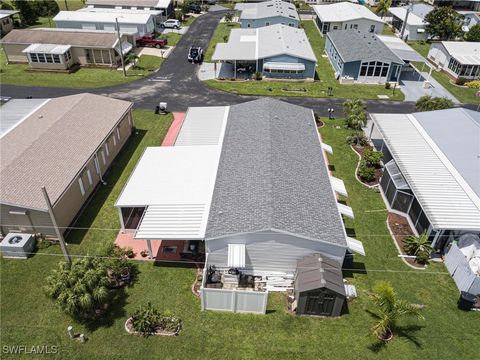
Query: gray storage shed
[(319, 288)]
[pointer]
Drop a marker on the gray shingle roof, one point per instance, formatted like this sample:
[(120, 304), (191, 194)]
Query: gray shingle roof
[(319, 271), (272, 175), (354, 45)]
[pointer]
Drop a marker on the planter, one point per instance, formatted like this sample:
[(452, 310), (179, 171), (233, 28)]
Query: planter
[(159, 332)]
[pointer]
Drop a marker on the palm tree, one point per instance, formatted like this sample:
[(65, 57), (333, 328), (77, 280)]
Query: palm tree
[(352, 105), (357, 119), (419, 246), (383, 6), (390, 310), (429, 103)]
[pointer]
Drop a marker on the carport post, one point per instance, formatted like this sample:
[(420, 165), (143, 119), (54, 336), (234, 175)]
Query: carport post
[(235, 69), (150, 251), (122, 224)]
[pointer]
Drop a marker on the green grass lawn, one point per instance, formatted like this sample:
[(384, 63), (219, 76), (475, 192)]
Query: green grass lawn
[(422, 47), (221, 33), (17, 74), (318, 88), (387, 30), (173, 38), (29, 318)]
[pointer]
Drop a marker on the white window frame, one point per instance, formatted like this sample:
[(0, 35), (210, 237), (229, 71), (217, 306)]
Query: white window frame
[(82, 187), (107, 149), (89, 176), (118, 133), (103, 157)]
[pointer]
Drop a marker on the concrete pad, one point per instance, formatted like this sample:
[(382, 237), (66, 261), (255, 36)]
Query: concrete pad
[(214, 8), (180, 31), (412, 85), (163, 53), (207, 71)]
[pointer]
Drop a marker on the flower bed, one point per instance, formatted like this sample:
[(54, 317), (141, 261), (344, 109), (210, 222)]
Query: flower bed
[(160, 331), (378, 170)]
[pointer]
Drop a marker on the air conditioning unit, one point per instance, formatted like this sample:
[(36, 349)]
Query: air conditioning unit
[(17, 245)]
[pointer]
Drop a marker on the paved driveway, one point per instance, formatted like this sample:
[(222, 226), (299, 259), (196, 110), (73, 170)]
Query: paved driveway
[(411, 84)]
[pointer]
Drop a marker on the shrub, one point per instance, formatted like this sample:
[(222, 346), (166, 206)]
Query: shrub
[(387, 85), (372, 157), (357, 138), (365, 172), (475, 84), (419, 246), (258, 75), (147, 320), (429, 103), (460, 81)]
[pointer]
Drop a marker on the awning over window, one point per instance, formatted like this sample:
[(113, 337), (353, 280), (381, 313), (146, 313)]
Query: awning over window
[(345, 210), (284, 66), (236, 255), (47, 49), (327, 148), (355, 246), (339, 186)]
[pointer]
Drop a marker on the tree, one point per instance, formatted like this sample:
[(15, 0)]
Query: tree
[(473, 34), (228, 17), (80, 289), (28, 15), (357, 138), (390, 310), (383, 6), (444, 22), (45, 8), (351, 105), (419, 246), (5, 6), (429, 103)]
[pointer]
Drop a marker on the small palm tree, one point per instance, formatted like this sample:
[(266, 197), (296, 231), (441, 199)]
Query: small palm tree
[(357, 119), (353, 105), (383, 6), (228, 17), (418, 246), (390, 310)]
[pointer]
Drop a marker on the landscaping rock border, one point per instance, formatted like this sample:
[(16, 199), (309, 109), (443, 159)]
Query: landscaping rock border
[(128, 329), (374, 186)]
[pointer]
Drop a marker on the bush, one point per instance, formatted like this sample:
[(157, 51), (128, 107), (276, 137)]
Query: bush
[(460, 81), (365, 172), (387, 85), (147, 320), (475, 84), (258, 75), (429, 103), (357, 138), (372, 157)]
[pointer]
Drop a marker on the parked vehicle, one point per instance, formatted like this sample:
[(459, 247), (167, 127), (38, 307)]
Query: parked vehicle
[(149, 40), (171, 24), (195, 54), (195, 9)]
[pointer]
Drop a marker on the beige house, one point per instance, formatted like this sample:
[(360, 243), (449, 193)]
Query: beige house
[(6, 21), (60, 49), (65, 144)]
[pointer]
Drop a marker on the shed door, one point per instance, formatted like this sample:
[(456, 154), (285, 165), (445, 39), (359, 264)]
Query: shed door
[(319, 304)]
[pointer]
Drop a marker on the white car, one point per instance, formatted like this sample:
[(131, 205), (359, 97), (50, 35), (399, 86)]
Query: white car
[(171, 24)]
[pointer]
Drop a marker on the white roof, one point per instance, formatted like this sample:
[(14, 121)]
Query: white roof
[(401, 12), (203, 126), (47, 49), (121, 11), (7, 13), (465, 52), (97, 17), (267, 9), (400, 48), (344, 11), (435, 176), (268, 41)]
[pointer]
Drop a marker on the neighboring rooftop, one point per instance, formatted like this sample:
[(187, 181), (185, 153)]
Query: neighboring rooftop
[(443, 172), (263, 42), (273, 176), (267, 9), (52, 144), (108, 17), (7, 13), (353, 45), (400, 48), (464, 52), (14, 111), (78, 38), (344, 11), (134, 3), (416, 15), (121, 11)]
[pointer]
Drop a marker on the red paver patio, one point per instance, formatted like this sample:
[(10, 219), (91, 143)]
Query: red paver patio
[(174, 129)]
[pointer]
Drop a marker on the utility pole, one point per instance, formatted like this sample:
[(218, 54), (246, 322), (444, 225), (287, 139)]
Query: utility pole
[(409, 8), (120, 46), (55, 226)]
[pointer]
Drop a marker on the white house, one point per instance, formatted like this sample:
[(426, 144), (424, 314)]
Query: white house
[(457, 58), (415, 27), (344, 16), (165, 6), (140, 24)]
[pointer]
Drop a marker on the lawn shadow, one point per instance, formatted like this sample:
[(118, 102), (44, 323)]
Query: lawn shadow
[(173, 264), (350, 232), (94, 204), (115, 311), (353, 267)]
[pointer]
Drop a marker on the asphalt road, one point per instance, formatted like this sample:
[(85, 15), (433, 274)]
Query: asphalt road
[(176, 83)]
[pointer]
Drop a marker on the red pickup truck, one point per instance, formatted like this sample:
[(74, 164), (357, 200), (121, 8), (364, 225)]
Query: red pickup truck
[(150, 41)]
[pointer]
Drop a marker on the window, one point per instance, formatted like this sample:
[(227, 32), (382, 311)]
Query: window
[(41, 58), (56, 59), (346, 26), (33, 58), (49, 58), (103, 157), (335, 28), (372, 28), (106, 149), (114, 141), (291, 24), (248, 25), (68, 55), (97, 165), (89, 176), (118, 133), (82, 188), (355, 26), (267, 23), (169, 249)]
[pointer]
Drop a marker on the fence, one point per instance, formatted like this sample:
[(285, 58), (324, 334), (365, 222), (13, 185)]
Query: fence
[(232, 300)]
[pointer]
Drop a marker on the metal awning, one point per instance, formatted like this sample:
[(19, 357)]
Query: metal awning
[(47, 49), (327, 148), (355, 246), (338, 185), (345, 210), (126, 47), (236, 255), (284, 66)]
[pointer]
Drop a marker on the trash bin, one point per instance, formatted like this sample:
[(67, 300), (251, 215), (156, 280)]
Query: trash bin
[(466, 301)]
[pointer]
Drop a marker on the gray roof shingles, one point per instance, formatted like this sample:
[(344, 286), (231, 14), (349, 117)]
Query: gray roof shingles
[(272, 175), (353, 45)]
